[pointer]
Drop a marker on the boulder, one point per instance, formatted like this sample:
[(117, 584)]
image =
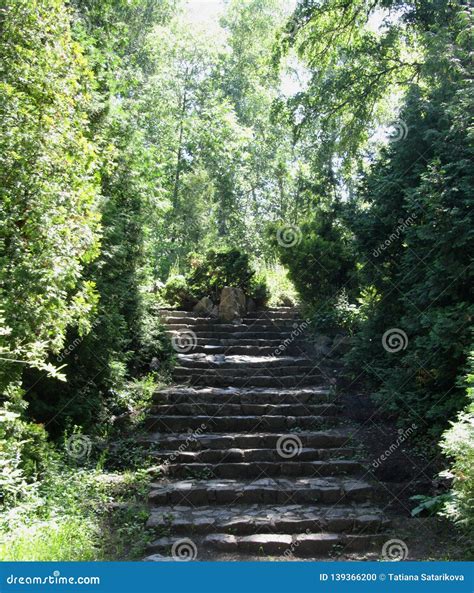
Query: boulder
[(232, 304), (204, 306)]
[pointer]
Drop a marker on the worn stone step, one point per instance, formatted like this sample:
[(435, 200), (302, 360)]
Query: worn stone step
[(304, 545), (330, 490), (248, 455), (285, 313), (244, 395), (254, 342), (249, 519), (200, 440), (234, 334), (255, 469), (205, 322), (249, 350), (237, 370), (243, 362), (225, 409), (239, 423), (228, 328), (254, 380)]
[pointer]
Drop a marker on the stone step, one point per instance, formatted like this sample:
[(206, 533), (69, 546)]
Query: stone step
[(276, 438), (225, 409), (194, 323), (247, 334), (199, 440), (278, 313), (331, 490), (254, 342), (226, 328), (305, 545), (239, 423), (257, 469), (201, 361), (249, 519), (244, 395), (249, 350), (241, 370), (218, 380), (248, 455)]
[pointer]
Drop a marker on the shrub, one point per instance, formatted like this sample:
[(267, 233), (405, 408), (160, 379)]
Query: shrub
[(210, 274), (320, 258), (25, 455), (177, 293), (219, 268), (458, 444)]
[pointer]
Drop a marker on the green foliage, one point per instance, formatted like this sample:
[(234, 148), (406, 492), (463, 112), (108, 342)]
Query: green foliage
[(219, 268), (210, 273), (458, 444), (320, 258), (429, 505), (48, 178), (25, 456), (68, 518), (177, 293), (281, 291), (421, 275)]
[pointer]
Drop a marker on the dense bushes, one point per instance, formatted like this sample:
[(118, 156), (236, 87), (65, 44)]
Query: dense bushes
[(402, 242), (319, 257), (421, 278), (210, 273), (48, 185), (458, 444)]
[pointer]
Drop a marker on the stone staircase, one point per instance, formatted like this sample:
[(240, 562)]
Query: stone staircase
[(254, 458)]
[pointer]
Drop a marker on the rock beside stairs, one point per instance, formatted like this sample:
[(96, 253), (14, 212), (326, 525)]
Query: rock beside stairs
[(253, 458)]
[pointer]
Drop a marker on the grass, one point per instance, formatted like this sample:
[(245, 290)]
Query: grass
[(78, 514), (64, 539)]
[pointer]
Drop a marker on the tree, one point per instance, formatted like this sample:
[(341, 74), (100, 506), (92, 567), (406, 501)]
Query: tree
[(49, 185)]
